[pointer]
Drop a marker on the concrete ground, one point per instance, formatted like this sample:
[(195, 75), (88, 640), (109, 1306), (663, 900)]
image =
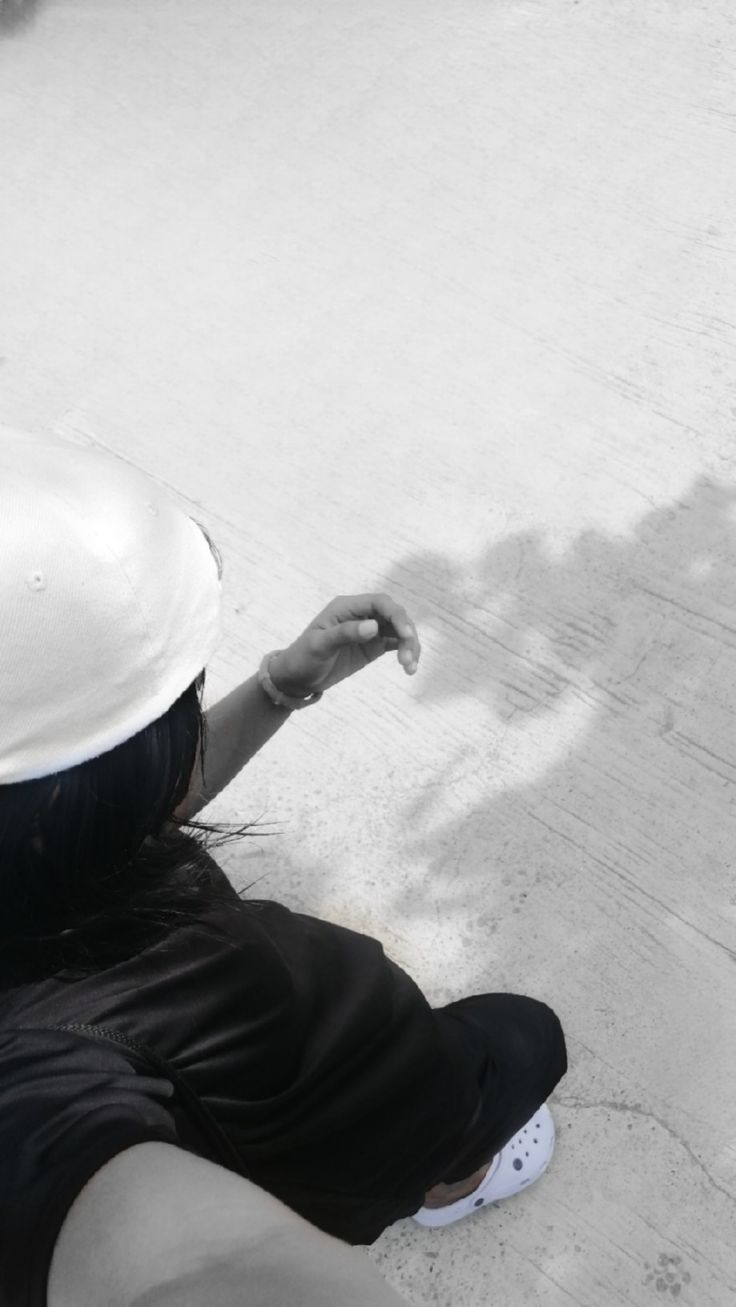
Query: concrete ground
[(438, 298)]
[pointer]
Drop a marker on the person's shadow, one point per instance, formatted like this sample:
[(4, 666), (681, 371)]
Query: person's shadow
[(608, 679)]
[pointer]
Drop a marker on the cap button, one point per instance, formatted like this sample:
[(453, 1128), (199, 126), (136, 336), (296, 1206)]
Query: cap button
[(36, 581)]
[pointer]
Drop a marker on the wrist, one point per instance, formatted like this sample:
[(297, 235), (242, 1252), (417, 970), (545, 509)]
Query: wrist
[(279, 674), (279, 689)]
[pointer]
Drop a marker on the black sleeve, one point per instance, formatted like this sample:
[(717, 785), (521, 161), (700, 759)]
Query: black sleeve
[(67, 1106)]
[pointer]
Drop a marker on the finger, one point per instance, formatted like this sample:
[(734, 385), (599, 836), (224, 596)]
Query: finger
[(409, 648), (334, 637), (393, 616), (396, 614)]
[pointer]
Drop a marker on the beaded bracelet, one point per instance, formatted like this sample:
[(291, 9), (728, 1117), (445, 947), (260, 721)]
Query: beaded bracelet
[(277, 696)]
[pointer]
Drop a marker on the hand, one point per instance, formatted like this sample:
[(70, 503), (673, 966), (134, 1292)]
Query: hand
[(352, 631)]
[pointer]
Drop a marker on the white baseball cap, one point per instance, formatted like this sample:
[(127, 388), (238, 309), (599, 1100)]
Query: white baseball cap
[(110, 603)]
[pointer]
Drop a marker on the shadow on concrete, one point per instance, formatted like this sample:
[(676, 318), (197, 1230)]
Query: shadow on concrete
[(17, 14), (579, 603), (607, 679)]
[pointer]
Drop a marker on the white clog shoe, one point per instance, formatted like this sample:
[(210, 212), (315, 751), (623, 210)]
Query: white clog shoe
[(520, 1162)]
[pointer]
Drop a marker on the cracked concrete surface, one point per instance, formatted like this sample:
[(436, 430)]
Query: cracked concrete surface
[(637, 1110), (439, 299)]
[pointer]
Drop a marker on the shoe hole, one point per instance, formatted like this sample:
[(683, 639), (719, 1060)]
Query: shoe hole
[(479, 1202), (517, 1163)]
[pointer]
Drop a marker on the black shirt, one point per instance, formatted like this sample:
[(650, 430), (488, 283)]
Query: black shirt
[(341, 1090)]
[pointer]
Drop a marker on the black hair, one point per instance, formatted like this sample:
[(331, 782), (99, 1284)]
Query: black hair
[(94, 866)]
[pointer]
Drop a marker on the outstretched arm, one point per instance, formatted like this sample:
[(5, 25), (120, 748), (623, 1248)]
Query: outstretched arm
[(351, 632)]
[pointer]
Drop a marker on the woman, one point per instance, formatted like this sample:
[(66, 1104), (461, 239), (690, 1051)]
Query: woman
[(141, 999)]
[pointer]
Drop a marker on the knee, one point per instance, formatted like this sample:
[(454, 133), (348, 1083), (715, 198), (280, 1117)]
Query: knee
[(539, 1031), (558, 1047)]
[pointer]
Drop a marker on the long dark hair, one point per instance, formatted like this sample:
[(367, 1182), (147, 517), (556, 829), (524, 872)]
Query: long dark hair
[(94, 866)]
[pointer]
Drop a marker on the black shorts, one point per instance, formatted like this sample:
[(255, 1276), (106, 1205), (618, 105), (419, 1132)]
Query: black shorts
[(514, 1048), (521, 1056)]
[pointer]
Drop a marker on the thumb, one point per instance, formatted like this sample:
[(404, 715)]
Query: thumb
[(351, 633)]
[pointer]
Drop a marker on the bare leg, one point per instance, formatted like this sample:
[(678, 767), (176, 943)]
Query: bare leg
[(441, 1195)]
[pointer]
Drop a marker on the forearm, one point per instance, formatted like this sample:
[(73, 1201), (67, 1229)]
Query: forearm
[(349, 633), (237, 727)]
